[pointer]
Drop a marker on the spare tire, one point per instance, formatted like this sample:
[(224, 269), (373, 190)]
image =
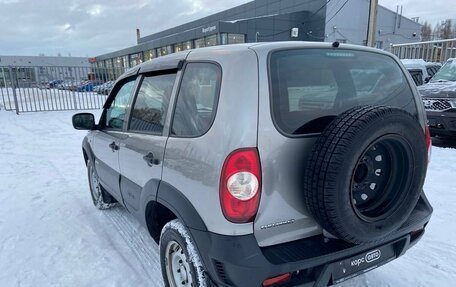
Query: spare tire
[(366, 173)]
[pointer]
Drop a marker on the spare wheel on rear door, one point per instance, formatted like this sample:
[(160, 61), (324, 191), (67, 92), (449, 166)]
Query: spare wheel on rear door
[(366, 173)]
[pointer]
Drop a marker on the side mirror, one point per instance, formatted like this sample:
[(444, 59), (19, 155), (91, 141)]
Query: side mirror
[(84, 121)]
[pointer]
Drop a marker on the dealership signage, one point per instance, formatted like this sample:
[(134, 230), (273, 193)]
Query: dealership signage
[(209, 29)]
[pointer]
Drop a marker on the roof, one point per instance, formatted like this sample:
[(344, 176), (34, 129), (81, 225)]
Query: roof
[(172, 61), (418, 63)]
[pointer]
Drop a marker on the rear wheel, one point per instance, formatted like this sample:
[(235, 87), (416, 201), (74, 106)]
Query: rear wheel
[(101, 199), (180, 261)]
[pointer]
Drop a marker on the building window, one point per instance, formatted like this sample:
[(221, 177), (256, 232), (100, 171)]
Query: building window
[(118, 62), (135, 59), (179, 47), (187, 45), (125, 62), (210, 40), (148, 55), (199, 43), (379, 44), (223, 38), (109, 63), (236, 38), (183, 46), (165, 50)]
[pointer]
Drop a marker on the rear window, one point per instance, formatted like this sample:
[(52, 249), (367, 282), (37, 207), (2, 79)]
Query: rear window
[(310, 87)]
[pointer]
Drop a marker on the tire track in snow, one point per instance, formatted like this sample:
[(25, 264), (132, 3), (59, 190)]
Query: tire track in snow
[(142, 246)]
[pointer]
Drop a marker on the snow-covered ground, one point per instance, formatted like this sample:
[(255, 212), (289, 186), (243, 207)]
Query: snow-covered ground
[(51, 235)]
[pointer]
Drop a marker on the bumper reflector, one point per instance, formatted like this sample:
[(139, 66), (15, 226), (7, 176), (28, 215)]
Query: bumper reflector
[(277, 280)]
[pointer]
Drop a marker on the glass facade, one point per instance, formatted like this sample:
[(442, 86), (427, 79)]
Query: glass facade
[(188, 45), (150, 54), (199, 43), (211, 40), (236, 38), (126, 63), (182, 46), (179, 47), (129, 61), (135, 59), (163, 51)]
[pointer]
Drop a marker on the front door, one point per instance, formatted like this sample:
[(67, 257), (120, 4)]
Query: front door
[(106, 141), (142, 151)]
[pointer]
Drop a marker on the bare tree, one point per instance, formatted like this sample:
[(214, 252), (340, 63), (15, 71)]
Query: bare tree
[(446, 31), (426, 31)]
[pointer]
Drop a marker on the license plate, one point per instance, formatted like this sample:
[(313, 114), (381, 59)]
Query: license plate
[(356, 265)]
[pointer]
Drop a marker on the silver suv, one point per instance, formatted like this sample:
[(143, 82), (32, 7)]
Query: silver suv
[(269, 164)]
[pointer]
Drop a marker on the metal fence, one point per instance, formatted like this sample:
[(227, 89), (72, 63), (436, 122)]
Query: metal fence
[(35, 89), (432, 51)]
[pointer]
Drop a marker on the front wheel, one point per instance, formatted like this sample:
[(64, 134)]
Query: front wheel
[(181, 263), (101, 199)]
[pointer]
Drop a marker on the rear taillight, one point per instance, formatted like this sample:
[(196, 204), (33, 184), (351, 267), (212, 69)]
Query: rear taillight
[(240, 185), (428, 142)]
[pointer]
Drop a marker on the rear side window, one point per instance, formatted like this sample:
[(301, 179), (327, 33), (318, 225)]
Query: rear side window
[(431, 70), (151, 104), (417, 76), (197, 100), (312, 86)]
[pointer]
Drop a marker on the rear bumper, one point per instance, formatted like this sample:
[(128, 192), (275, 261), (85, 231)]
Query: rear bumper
[(239, 261), (442, 123)]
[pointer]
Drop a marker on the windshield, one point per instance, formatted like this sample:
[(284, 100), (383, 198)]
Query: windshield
[(446, 73)]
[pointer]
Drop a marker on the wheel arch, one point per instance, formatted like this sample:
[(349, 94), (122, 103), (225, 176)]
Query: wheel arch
[(170, 204), (87, 151)]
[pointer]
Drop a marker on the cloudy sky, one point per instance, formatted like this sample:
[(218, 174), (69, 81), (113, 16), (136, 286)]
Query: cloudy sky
[(93, 27)]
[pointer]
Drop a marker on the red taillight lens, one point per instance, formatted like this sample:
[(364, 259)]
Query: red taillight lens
[(277, 280), (428, 142), (240, 185)]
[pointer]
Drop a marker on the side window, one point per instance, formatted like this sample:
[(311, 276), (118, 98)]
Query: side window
[(197, 100), (151, 104), (115, 114)]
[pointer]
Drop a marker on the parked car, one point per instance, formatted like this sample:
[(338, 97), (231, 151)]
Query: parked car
[(250, 171), (104, 88), (421, 71), (85, 86), (439, 97)]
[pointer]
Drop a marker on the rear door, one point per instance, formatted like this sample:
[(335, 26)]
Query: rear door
[(142, 150), (107, 139), (301, 92)]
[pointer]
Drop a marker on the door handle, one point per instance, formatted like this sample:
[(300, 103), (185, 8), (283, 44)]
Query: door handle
[(151, 160), (114, 146)]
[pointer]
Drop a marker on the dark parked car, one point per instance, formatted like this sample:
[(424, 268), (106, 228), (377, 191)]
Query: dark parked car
[(439, 97), (250, 171)]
